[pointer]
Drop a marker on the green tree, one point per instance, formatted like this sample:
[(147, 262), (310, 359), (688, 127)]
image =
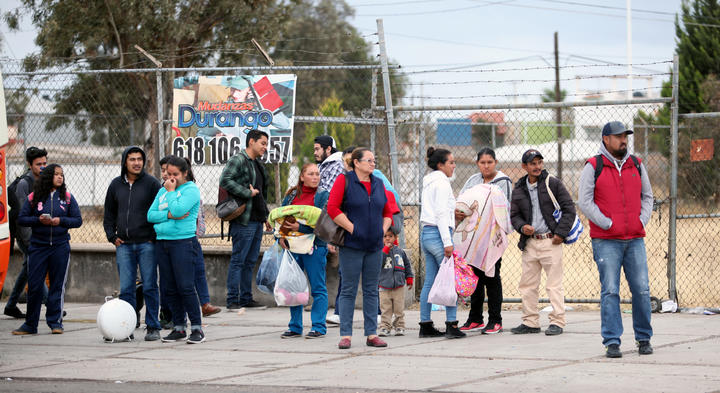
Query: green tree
[(344, 134)]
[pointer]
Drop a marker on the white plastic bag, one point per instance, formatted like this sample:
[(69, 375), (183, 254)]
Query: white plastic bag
[(291, 287), (443, 289), (268, 271)]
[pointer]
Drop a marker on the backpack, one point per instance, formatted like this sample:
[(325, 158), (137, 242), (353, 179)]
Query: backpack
[(599, 164), (15, 206)]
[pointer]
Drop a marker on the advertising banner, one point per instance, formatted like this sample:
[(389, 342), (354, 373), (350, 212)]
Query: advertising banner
[(212, 116)]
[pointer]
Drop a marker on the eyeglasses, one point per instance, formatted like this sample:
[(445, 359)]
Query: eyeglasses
[(368, 160)]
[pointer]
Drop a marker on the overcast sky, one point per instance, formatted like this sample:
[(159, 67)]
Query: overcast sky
[(492, 36)]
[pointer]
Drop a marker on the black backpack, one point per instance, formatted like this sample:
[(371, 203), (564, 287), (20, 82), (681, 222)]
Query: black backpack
[(15, 206)]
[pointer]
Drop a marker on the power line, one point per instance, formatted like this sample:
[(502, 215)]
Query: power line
[(440, 11)]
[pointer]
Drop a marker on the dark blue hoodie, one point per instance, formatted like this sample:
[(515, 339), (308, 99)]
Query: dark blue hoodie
[(63, 206), (126, 205)]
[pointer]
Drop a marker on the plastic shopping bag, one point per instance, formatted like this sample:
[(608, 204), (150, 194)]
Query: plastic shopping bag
[(269, 267), (443, 290), (291, 287), (465, 278)]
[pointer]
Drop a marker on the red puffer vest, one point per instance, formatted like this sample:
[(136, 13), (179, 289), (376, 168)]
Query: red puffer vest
[(618, 197)]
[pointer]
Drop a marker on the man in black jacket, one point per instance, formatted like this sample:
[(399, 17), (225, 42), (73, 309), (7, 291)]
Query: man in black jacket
[(541, 238), (127, 201)]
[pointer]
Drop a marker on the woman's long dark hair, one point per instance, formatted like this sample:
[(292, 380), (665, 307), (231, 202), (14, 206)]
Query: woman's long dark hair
[(436, 156), (44, 186), (183, 164)]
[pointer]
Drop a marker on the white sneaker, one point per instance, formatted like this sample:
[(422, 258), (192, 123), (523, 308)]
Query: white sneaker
[(333, 319)]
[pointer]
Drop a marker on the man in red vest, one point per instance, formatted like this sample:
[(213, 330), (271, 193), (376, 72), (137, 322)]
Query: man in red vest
[(616, 196)]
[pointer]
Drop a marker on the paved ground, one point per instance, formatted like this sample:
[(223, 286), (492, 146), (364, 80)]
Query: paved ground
[(244, 353)]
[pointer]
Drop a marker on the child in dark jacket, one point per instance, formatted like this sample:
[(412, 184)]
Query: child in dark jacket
[(395, 273)]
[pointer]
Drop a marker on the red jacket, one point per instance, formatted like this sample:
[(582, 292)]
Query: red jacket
[(618, 197)]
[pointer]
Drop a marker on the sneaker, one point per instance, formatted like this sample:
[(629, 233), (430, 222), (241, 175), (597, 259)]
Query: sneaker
[(14, 311), (613, 351), (553, 330), (254, 305), (314, 334), (58, 330), (472, 326), (644, 348), (290, 334), (208, 309), (333, 319), (22, 332), (492, 329), (375, 342), (234, 306), (344, 343), (196, 337), (152, 334), (175, 335), (524, 329), (384, 332), (399, 331)]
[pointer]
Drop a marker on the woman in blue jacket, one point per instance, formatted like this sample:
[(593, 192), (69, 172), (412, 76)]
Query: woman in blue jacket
[(50, 211), (174, 213), (306, 192)]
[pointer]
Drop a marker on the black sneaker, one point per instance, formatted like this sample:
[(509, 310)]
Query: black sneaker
[(196, 337), (14, 311), (553, 330), (613, 351), (524, 329), (175, 335), (152, 334), (234, 306), (314, 334), (644, 348), (290, 334), (254, 305)]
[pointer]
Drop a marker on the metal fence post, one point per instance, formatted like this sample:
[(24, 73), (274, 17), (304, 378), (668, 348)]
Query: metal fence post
[(672, 226), (388, 104), (158, 139), (373, 105)]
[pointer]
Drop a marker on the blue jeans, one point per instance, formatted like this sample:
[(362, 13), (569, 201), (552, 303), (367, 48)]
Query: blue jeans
[(246, 241), (609, 256), (434, 252), (129, 257), (353, 263), (22, 279), (177, 275), (52, 261), (201, 285), (314, 265)]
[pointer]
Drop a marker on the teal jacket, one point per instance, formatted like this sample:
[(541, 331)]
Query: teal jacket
[(236, 179), (185, 199)]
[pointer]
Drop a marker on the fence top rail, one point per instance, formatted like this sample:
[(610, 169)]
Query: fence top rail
[(699, 115), (201, 69), (538, 105)]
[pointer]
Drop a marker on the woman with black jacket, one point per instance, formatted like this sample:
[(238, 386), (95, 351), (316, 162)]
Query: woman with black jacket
[(50, 211)]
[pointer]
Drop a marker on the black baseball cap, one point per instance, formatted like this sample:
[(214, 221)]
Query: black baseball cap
[(325, 141), (530, 155), (615, 128)]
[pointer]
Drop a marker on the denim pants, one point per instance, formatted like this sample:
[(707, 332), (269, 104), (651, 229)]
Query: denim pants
[(52, 261), (177, 275), (246, 241), (434, 252), (22, 279), (128, 258), (353, 263), (609, 256), (314, 266), (201, 285)]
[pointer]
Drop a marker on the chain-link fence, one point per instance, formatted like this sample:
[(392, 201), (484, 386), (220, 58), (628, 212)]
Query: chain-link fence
[(510, 132)]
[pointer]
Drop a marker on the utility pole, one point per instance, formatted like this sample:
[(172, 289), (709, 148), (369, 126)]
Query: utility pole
[(558, 111)]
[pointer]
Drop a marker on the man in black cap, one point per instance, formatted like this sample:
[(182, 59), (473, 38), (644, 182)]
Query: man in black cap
[(329, 160), (541, 238), (616, 196)]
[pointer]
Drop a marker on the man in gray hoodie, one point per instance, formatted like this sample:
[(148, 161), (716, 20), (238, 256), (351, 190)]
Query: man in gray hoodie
[(616, 196)]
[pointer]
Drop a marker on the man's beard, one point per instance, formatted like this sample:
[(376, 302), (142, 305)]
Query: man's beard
[(620, 153), (323, 157)]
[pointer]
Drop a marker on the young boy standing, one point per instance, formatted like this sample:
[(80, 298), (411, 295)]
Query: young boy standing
[(396, 272)]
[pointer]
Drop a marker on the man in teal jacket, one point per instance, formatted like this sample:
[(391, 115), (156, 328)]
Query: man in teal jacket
[(245, 178)]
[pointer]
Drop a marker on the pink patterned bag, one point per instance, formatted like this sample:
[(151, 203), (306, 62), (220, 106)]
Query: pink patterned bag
[(465, 279)]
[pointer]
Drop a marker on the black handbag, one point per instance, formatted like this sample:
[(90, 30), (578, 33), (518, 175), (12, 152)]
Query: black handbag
[(327, 230)]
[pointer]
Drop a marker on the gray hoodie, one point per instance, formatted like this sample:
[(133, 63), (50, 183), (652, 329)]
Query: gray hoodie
[(586, 192)]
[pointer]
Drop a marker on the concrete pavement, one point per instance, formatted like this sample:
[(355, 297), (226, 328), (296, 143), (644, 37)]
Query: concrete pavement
[(245, 353)]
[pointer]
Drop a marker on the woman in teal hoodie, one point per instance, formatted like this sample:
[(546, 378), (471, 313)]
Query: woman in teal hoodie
[(174, 213)]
